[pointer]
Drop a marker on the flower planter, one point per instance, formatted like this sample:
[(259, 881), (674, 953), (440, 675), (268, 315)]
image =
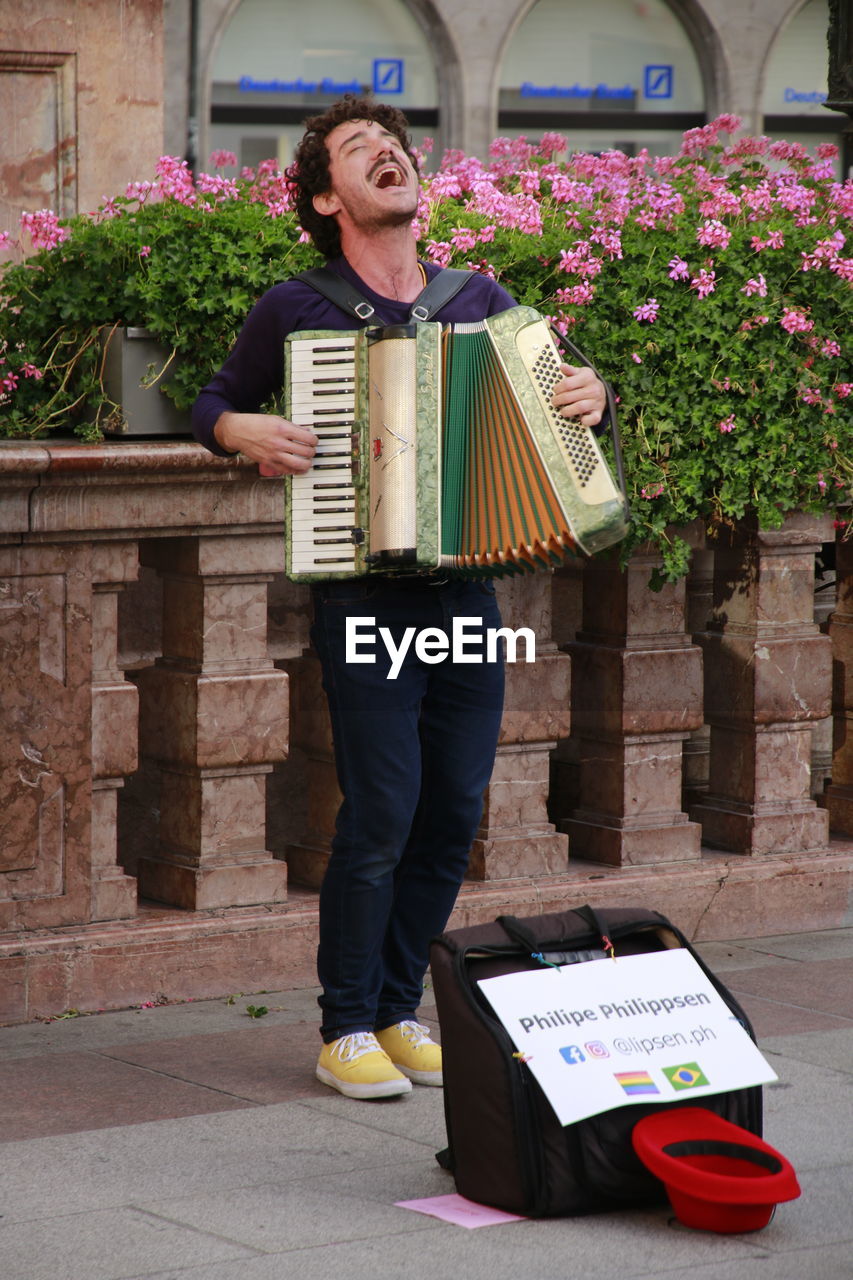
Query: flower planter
[(132, 369)]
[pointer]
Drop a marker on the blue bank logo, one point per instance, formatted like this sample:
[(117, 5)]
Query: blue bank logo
[(387, 75), (658, 81)]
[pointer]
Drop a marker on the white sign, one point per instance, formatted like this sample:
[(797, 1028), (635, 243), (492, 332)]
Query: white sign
[(638, 1029)]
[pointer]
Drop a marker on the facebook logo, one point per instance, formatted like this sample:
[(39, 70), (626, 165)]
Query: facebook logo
[(387, 75), (572, 1054), (658, 81)]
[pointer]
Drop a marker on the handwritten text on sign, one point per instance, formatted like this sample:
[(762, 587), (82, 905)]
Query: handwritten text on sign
[(639, 1029)]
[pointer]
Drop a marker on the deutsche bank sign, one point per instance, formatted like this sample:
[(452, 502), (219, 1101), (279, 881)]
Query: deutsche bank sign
[(387, 75), (658, 81)]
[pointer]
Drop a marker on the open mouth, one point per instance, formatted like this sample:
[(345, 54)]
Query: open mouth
[(388, 176)]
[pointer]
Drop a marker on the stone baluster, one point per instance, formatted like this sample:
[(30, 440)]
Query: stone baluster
[(636, 697), (839, 794), (516, 837), (214, 718), (823, 730), (700, 582), (114, 730), (767, 679)]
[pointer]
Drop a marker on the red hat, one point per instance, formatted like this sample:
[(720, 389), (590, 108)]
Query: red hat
[(718, 1176)]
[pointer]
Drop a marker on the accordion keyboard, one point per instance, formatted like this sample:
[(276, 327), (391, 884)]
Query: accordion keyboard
[(323, 501)]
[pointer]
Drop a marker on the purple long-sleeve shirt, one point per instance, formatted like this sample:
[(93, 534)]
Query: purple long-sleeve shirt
[(254, 371)]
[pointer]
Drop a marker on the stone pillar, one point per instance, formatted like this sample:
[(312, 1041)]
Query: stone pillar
[(767, 679), (114, 730), (309, 786), (636, 697), (823, 730), (214, 717), (839, 794), (567, 604), (45, 719), (700, 581)]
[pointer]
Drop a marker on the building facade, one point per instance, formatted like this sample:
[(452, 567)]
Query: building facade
[(622, 74)]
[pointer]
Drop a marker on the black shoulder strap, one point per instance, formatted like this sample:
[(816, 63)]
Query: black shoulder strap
[(436, 294), (438, 291)]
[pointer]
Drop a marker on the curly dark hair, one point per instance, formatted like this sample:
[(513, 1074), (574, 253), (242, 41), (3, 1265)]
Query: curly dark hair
[(309, 175)]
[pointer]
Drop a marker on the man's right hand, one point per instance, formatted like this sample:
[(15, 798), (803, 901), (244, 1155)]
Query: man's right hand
[(281, 448)]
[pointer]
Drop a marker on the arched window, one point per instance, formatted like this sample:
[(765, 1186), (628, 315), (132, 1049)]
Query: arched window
[(613, 74), (281, 60), (795, 81)]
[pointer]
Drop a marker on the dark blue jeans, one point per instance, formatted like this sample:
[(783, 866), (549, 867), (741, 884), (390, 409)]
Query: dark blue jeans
[(414, 755)]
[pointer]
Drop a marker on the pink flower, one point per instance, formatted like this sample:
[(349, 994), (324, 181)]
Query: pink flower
[(439, 251), (176, 180), (704, 283), (843, 390), (220, 159), (678, 269), (758, 286), (712, 232), (553, 144), (578, 295), (830, 347), (30, 371), (795, 320), (727, 424), (610, 240), (637, 359), (647, 311), (463, 238), (145, 251), (843, 267), (650, 493), (43, 229), (728, 123), (139, 191), (788, 151)]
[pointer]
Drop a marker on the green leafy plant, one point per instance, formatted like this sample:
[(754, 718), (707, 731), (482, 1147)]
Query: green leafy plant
[(185, 260), (712, 288)]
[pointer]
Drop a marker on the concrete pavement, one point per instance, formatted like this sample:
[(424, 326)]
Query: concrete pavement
[(192, 1142)]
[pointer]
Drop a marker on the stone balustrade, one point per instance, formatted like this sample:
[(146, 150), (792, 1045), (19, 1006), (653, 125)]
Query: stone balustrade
[(168, 789)]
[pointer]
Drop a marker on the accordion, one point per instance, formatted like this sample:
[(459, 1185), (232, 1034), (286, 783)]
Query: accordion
[(439, 450)]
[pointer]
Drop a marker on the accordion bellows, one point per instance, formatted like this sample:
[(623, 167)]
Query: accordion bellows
[(439, 450)]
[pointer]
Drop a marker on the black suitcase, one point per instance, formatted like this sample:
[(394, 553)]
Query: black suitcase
[(506, 1147)]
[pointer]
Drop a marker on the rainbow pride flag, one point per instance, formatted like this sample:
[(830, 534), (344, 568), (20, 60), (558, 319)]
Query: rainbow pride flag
[(635, 1083)]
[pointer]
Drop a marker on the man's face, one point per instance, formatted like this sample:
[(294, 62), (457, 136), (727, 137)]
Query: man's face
[(373, 181)]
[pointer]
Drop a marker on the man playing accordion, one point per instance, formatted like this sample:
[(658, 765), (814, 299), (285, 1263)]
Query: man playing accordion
[(414, 753)]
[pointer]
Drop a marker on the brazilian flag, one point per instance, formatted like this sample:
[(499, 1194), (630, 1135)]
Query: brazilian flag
[(687, 1075)]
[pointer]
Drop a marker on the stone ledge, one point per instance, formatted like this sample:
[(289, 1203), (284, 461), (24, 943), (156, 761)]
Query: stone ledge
[(179, 955)]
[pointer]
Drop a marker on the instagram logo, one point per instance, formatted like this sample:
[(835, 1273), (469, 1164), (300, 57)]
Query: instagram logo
[(596, 1049)]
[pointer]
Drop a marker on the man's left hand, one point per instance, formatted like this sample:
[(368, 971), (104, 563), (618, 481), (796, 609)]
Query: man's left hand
[(580, 394)]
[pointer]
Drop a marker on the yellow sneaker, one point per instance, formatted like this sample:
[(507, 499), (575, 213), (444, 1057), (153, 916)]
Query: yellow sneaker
[(357, 1066), (410, 1049)]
